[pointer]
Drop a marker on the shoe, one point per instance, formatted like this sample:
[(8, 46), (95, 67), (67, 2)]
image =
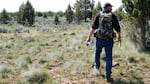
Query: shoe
[(96, 71), (110, 80)]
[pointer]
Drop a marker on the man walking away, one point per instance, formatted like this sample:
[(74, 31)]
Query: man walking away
[(102, 28)]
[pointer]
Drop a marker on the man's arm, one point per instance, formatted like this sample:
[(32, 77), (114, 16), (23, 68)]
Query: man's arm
[(117, 27), (90, 34), (119, 36), (94, 27)]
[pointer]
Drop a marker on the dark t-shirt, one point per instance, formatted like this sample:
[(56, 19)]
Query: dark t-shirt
[(115, 23)]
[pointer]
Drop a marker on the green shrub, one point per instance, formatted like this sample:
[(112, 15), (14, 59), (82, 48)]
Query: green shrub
[(37, 76), (4, 70), (132, 60)]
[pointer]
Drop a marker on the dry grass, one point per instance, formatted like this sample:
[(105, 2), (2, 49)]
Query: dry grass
[(59, 56)]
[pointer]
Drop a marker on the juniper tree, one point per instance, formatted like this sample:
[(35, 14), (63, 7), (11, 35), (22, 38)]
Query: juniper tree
[(139, 10)]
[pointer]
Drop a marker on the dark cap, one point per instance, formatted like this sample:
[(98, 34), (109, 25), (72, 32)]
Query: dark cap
[(107, 4)]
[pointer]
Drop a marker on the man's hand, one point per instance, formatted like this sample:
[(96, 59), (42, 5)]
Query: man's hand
[(87, 40), (89, 36), (119, 39), (119, 36)]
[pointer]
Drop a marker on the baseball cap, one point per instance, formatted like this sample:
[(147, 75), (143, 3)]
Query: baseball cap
[(107, 4)]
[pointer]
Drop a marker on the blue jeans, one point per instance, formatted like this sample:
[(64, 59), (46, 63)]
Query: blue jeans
[(107, 44)]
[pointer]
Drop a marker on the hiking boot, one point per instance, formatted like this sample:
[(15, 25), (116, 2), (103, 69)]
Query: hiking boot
[(110, 80), (96, 71)]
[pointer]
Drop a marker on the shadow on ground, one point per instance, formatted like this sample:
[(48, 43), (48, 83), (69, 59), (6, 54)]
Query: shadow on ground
[(121, 81)]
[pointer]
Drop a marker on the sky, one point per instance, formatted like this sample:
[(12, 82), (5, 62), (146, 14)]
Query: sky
[(48, 5)]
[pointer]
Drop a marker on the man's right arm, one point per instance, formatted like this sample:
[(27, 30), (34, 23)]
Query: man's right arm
[(90, 34), (94, 27)]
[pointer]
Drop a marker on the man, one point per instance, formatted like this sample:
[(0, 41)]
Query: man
[(103, 24)]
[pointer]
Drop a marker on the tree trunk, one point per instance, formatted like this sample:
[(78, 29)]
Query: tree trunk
[(142, 24), (85, 14)]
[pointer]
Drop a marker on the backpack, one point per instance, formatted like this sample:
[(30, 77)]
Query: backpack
[(105, 29)]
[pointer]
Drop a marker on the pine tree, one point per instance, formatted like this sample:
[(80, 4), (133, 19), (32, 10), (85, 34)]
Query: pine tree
[(26, 14), (60, 13), (20, 14), (85, 8), (78, 12), (97, 9), (4, 17), (39, 14), (90, 15), (69, 14), (29, 13), (86, 4), (56, 20)]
